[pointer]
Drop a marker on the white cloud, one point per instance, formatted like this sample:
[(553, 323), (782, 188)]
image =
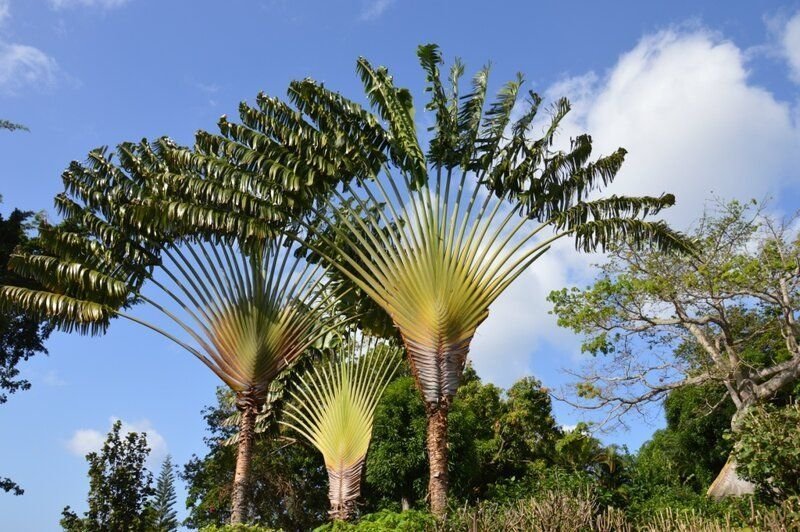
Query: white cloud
[(373, 9), (85, 441), (104, 4), (694, 124), (519, 323), (790, 43), (22, 65)]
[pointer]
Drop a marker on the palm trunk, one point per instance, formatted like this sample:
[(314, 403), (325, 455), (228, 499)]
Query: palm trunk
[(248, 407), (437, 457), (437, 371), (344, 488)]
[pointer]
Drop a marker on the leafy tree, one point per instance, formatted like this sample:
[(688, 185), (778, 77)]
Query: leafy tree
[(767, 450), (692, 448), (246, 309), (499, 436), (527, 430), (161, 507), (726, 315), (289, 479), (396, 466), (119, 486), (21, 336)]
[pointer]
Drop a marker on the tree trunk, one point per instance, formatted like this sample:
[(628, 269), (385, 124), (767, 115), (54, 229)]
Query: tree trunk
[(728, 483), (437, 370), (344, 489), (405, 503), (437, 457), (248, 407)]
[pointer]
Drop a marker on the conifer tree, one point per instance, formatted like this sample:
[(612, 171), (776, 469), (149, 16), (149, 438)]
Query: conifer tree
[(162, 505)]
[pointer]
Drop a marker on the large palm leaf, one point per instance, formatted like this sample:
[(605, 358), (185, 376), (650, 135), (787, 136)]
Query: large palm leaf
[(333, 407), (247, 313)]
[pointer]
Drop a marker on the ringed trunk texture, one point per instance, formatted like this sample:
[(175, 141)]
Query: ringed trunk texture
[(437, 457), (437, 368), (344, 489), (247, 403)]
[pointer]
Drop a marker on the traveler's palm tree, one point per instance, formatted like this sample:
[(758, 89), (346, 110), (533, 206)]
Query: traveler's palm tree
[(446, 233), (433, 237), (246, 313), (333, 407)]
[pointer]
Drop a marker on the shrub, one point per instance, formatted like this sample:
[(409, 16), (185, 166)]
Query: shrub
[(385, 521), (560, 511), (237, 528), (768, 450)]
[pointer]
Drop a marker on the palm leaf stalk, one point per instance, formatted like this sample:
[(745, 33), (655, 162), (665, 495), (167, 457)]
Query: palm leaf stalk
[(442, 236), (247, 313), (333, 408)]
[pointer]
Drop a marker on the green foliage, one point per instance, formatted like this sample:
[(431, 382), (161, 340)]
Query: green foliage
[(692, 449), (396, 466), (238, 528), (384, 521), (767, 450), (288, 481), (495, 436), (161, 507), (119, 486), (21, 336)]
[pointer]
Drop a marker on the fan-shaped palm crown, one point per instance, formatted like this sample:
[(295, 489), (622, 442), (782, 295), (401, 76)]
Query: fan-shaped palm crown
[(445, 234), (246, 312), (333, 407)]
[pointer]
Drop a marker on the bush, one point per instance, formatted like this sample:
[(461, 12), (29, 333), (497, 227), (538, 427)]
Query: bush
[(237, 528), (559, 511), (768, 450), (384, 521)]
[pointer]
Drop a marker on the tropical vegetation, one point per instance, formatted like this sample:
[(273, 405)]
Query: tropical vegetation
[(331, 264)]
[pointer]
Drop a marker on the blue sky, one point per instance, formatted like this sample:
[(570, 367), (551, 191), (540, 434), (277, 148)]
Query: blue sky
[(703, 95)]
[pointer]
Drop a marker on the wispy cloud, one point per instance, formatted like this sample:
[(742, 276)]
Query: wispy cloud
[(790, 44), (373, 9), (5, 10), (85, 441), (103, 4), (52, 378), (22, 66)]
